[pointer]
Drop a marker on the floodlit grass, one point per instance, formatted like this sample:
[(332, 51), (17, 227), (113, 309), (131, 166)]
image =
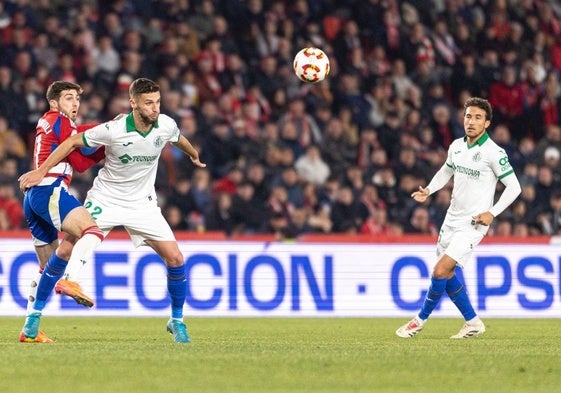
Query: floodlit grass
[(105, 355)]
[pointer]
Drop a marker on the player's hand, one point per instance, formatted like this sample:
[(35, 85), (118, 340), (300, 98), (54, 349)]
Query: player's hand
[(30, 179), (483, 219), (421, 195), (198, 162)]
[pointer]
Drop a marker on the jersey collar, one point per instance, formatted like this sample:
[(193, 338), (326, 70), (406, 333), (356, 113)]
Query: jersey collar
[(132, 127), (479, 142)]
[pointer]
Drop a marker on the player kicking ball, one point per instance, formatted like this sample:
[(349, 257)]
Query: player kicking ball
[(477, 164)]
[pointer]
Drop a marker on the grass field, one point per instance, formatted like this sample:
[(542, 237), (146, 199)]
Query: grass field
[(106, 355)]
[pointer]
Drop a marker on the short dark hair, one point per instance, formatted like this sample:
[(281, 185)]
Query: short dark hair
[(480, 103), (57, 87), (142, 86)]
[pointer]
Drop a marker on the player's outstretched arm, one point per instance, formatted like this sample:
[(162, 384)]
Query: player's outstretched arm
[(185, 146), (34, 177), (421, 195)]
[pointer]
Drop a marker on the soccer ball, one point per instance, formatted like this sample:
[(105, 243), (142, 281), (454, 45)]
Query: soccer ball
[(311, 65)]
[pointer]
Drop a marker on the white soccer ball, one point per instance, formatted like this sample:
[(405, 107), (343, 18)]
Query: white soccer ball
[(311, 65)]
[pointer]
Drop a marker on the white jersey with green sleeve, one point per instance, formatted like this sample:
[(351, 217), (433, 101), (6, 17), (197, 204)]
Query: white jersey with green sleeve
[(477, 169), (131, 159)]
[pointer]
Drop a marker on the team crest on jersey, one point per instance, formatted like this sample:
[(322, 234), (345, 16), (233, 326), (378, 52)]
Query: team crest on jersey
[(476, 157), (158, 141)]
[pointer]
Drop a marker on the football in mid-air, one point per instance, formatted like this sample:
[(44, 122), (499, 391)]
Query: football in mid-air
[(311, 65)]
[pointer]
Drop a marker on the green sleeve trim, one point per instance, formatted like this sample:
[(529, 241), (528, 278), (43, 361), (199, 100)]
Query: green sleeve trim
[(84, 140), (506, 174)]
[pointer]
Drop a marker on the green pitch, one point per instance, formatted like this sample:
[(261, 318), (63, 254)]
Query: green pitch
[(106, 355)]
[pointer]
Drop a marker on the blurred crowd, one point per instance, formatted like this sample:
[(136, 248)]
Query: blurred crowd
[(285, 157)]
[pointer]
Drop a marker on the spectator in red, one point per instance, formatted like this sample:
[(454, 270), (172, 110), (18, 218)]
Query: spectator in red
[(207, 83), (18, 22), (532, 90), (11, 204), (507, 99), (369, 203), (418, 48), (550, 102), (442, 124), (229, 183), (555, 54)]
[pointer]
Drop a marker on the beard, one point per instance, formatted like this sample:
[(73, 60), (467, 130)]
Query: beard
[(146, 119)]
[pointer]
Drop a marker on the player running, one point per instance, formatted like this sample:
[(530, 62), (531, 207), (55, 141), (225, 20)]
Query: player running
[(123, 192)]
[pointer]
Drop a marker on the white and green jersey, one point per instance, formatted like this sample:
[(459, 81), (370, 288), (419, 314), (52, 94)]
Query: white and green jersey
[(131, 159), (476, 170)]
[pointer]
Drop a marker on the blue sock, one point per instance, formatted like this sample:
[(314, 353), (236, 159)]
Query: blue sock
[(458, 294), (177, 288), (51, 274), (436, 289)]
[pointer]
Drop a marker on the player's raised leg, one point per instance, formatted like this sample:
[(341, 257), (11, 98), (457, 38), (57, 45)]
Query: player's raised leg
[(79, 221)]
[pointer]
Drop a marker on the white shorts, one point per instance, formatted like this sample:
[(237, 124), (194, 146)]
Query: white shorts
[(142, 222), (458, 243)]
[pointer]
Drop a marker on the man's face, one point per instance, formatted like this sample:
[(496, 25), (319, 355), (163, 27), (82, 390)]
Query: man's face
[(475, 122), (147, 106), (68, 103)]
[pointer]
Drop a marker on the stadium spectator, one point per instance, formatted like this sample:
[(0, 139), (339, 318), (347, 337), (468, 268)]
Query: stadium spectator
[(369, 202), (506, 96), (344, 212), (218, 151), (291, 182), (420, 222), (176, 219), (460, 50), (306, 128), (336, 149), (182, 197), (247, 216), (219, 216), (546, 182), (311, 167), (550, 219), (10, 204)]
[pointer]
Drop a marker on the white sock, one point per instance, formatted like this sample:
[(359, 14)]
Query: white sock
[(32, 293), (81, 253), (474, 321)]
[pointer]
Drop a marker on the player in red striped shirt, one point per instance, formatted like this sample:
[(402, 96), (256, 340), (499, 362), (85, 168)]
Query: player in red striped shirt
[(50, 208)]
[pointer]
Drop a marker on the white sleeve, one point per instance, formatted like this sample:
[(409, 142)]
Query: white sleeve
[(440, 178), (510, 193), (99, 135)]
